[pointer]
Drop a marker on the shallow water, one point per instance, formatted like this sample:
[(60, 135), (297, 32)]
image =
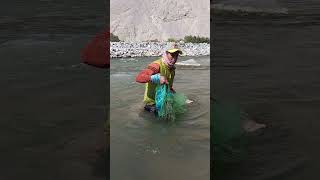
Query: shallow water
[(143, 147)]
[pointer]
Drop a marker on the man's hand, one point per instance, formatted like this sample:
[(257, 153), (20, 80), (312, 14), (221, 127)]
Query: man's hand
[(163, 80)]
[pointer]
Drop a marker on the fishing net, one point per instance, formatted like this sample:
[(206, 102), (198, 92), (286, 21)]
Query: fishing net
[(228, 138), (169, 105)]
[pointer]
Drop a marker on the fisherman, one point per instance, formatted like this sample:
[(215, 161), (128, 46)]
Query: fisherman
[(161, 71)]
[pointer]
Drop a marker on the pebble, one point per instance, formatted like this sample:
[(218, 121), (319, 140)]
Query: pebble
[(142, 49)]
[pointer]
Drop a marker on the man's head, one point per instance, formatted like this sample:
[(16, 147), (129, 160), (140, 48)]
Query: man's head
[(172, 57), (173, 54)]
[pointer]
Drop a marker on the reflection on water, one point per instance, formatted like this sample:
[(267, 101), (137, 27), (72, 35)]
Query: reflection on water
[(143, 147)]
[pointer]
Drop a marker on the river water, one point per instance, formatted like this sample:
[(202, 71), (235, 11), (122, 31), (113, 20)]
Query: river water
[(52, 106), (143, 147), (269, 65)]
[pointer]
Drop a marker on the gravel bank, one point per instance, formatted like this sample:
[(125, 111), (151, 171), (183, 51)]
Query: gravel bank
[(139, 49)]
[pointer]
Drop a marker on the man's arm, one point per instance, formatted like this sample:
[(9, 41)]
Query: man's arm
[(145, 75), (172, 90)]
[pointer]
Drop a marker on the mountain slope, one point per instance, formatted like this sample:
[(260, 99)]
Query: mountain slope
[(139, 20)]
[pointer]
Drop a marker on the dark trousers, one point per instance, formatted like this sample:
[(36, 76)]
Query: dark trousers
[(151, 108)]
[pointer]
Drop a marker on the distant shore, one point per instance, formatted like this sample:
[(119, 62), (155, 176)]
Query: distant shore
[(145, 49)]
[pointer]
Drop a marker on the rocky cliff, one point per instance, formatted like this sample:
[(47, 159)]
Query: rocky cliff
[(141, 20)]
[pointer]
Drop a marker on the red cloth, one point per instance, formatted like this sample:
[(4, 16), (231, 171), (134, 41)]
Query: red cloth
[(145, 75), (97, 51)]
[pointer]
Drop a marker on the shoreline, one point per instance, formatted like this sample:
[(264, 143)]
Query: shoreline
[(151, 49)]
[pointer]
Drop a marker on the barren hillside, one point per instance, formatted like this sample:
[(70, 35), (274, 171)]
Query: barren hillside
[(139, 20)]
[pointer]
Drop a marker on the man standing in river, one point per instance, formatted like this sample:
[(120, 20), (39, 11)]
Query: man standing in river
[(161, 71)]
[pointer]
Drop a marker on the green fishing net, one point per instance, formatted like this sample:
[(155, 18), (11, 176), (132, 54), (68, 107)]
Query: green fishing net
[(227, 136), (169, 105)]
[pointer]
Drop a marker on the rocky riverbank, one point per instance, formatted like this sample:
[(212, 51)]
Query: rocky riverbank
[(140, 49)]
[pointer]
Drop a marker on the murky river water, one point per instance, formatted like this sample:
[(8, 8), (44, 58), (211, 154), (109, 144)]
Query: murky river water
[(143, 147)]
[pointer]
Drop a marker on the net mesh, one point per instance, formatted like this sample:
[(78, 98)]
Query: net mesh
[(228, 138), (169, 105)]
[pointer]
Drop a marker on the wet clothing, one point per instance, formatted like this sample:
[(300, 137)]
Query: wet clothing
[(145, 77)]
